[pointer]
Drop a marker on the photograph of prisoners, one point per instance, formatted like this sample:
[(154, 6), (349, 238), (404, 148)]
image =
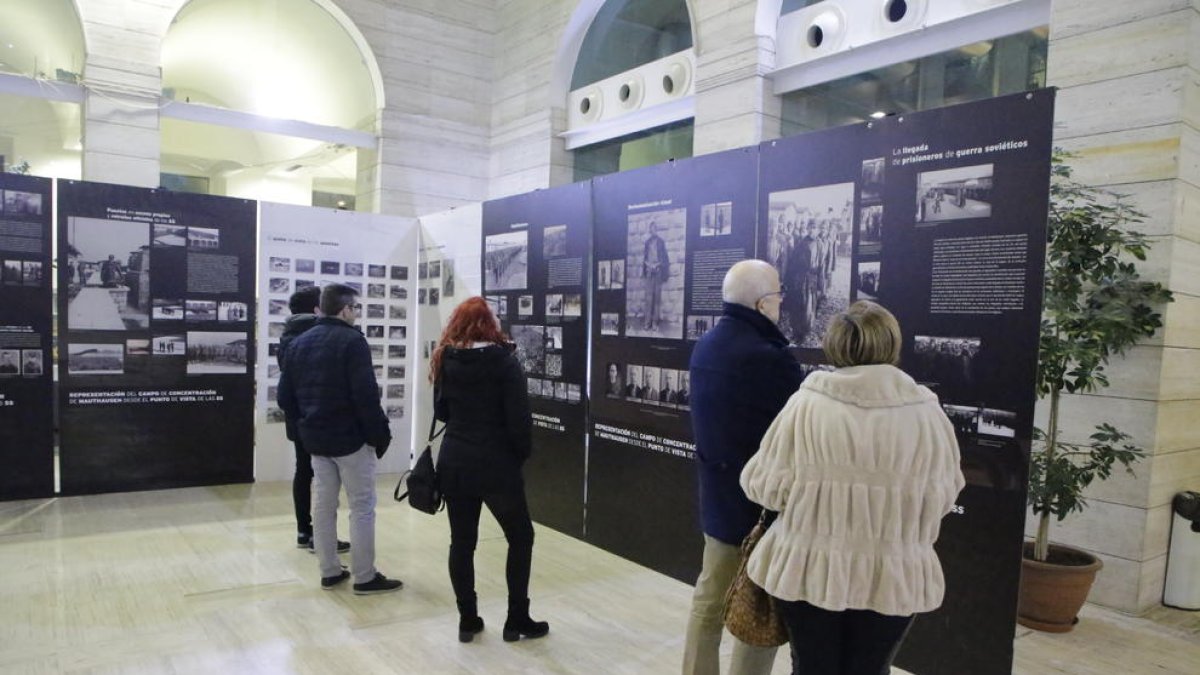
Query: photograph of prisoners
[(108, 274), (96, 359), (20, 203), (872, 179), (505, 261), (952, 194), (10, 361), (554, 241), (870, 228), (808, 241), (946, 361), (666, 387), (531, 348), (168, 345), (716, 219), (866, 285), (970, 420), (216, 353), (32, 362), (654, 263)]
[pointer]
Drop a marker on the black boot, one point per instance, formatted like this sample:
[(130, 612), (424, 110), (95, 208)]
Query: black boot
[(519, 625), (469, 621)]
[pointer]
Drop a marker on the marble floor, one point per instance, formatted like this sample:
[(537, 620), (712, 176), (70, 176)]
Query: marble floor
[(207, 580)]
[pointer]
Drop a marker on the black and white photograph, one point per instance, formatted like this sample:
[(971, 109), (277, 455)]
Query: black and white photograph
[(633, 381), (273, 349), (376, 311), (273, 393), (810, 368), (946, 361), (281, 265), (398, 293), (866, 286), (279, 285), (397, 351), (572, 304), (396, 372), (352, 269), (954, 194), (964, 418), (304, 283), (305, 266), (397, 332), (20, 203), (616, 280), (603, 272), (12, 273), (872, 179), (534, 386), (272, 371), (201, 310), (10, 361), (548, 389), (423, 270), (169, 235), (870, 229), (685, 394), (574, 393), (554, 304), (169, 345), (96, 359), (554, 365), (376, 352), (421, 294), (399, 273), (448, 279), (614, 380), (216, 353), (395, 391), (232, 311), (525, 305), (554, 338), (32, 273), (531, 348), (610, 323), (505, 261), (560, 391), (376, 291), (275, 416), (649, 386), (698, 325), (1002, 423), (554, 241), (434, 296), (655, 254), (668, 393), (435, 269), (32, 362), (399, 312), (808, 241), (377, 271), (275, 329), (356, 285), (109, 274), (137, 347), (208, 238), (716, 219), (331, 267), (374, 331), (394, 412)]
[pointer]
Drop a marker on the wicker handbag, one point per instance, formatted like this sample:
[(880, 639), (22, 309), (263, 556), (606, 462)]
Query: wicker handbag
[(750, 613)]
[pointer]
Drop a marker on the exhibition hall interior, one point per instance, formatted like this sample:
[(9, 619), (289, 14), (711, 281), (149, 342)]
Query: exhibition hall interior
[(198, 197)]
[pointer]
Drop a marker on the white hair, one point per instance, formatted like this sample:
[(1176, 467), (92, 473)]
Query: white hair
[(748, 281)]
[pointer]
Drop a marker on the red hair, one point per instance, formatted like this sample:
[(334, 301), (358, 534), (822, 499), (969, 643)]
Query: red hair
[(470, 322)]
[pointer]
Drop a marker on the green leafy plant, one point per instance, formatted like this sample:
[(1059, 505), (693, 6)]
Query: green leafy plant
[(1096, 307)]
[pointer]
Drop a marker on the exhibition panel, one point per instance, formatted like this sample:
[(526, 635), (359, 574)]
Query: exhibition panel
[(536, 253), (26, 360), (156, 338)]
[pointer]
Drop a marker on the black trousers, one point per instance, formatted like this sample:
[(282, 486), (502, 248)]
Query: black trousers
[(302, 490), (512, 512), (850, 642)]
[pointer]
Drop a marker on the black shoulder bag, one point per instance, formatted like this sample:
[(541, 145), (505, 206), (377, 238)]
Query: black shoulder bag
[(421, 483)]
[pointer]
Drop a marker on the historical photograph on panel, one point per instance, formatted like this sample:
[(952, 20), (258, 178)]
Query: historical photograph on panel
[(397, 351), (331, 267), (614, 381), (633, 381), (376, 291), (398, 312), (872, 179), (435, 269), (573, 304), (232, 311), (649, 386), (870, 229), (716, 219), (603, 271), (964, 418), (168, 345), (108, 273), (554, 304), (12, 272), (421, 294), (170, 235), (448, 279), (356, 285), (305, 266), (654, 263), (279, 285), (610, 323), (685, 394), (560, 391), (204, 238), (304, 283), (398, 293), (668, 393), (534, 386), (96, 359), (376, 352), (505, 261), (171, 310), (376, 311), (554, 338), (394, 411), (548, 389), (399, 273), (434, 296), (396, 372), (281, 265), (19, 203), (10, 361), (397, 333), (272, 371), (1001, 423), (866, 282), (554, 365), (808, 241), (698, 325), (351, 269), (395, 391), (525, 305), (952, 194), (554, 241), (201, 310), (213, 353), (32, 273), (617, 278), (948, 361), (374, 331), (32, 362), (377, 271), (423, 270), (574, 393), (531, 348), (137, 347)]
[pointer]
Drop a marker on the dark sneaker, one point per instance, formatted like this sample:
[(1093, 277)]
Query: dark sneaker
[(304, 541), (328, 583), (380, 584), (343, 546)]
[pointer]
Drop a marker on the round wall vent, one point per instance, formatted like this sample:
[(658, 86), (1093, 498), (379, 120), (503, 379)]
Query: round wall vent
[(630, 92), (677, 78), (826, 31)]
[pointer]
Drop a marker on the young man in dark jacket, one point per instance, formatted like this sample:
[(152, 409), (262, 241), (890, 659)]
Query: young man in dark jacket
[(303, 306), (741, 375), (328, 387)]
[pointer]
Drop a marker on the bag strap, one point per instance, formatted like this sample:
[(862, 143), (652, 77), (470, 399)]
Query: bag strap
[(399, 484)]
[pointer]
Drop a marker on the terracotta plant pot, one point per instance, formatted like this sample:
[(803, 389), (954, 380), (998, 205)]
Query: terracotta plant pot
[(1052, 592)]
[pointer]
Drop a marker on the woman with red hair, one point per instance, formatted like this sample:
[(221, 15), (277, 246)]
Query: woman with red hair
[(480, 393)]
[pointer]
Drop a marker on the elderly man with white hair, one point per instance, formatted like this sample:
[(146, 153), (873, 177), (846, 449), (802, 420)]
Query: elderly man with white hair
[(741, 375)]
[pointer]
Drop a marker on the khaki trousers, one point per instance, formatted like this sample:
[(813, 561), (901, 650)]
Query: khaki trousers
[(705, 626)]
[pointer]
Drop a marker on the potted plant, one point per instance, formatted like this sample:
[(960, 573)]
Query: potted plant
[(1096, 307)]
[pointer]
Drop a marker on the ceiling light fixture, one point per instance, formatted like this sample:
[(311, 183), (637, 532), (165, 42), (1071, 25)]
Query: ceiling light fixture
[(878, 115)]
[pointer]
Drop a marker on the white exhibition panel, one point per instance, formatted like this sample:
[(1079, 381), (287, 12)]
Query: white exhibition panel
[(303, 244), (456, 237)]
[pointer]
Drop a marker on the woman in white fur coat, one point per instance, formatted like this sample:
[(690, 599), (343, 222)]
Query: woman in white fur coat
[(861, 464)]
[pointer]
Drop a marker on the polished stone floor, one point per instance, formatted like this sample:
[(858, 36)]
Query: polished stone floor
[(207, 580)]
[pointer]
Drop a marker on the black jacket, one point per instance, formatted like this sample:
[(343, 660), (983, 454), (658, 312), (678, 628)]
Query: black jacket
[(328, 386), (295, 325), (482, 397), (741, 375)]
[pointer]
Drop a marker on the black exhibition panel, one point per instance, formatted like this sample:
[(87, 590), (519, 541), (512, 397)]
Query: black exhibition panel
[(156, 338), (535, 276), (664, 238), (26, 363), (940, 216)]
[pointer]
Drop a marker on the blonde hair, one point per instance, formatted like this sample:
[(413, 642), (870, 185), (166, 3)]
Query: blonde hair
[(863, 335)]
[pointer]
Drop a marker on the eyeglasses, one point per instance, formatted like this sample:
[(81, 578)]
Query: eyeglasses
[(781, 293)]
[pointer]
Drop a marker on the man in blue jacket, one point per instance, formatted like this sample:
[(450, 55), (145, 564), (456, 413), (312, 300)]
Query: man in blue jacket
[(741, 375), (328, 387)]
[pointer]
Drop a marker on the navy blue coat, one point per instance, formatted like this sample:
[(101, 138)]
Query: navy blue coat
[(296, 325), (328, 387), (742, 374)]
